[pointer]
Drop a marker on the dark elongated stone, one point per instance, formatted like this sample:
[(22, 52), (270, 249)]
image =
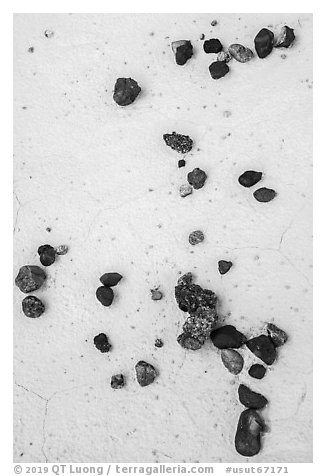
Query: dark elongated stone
[(197, 178), (105, 295), (178, 142), (264, 42), (183, 51), (227, 337), (145, 373), (218, 69), (224, 266), (249, 429), (240, 53), (117, 381), (32, 306), (276, 334), (212, 46), (110, 279), (47, 254), (251, 399), (264, 194), (30, 278), (285, 38), (249, 178), (188, 342), (232, 360), (102, 343), (257, 371), (263, 348), (126, 91)]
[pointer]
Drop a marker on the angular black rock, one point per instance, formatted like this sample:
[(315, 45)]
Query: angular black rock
[(232, 360), (110, 279), (158, 343), (251, 399), (183, 51), (188, 342), (227, 337), (32, 306), (191, 296), (276, 334), (145, 373), (181, 163), (285, 38), (249, 429), (264, 41), (47, 254), (249, 178), (197, 178), (224, 266), (30, 278), (126, 91), (105, 295), (257, 371), (264, 194), (263, 348), (117, 381), (212, 46), (178, 142), (218, 69), (102, 343)]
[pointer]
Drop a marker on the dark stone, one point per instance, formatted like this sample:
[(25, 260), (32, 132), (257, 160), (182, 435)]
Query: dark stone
[(196, 237), (192, 296), (183, 51), (224, 266), (232, 360), (102, 343), (263, 348), (105, 295), (158, 343), (117, 381), (110, 279), (240, 53), (218, 69), (276, 334), (249, 178), (227, 337), (285, 38), (188, 342), (264, 42), (47, 254), (145, 373), (156, 294), (197, 178), (30, 278), (264, 194), (212, 46), (257, 371), (251, 399), (126, 91), (32, 306), (249, 429), (178, 142), (181, 163)]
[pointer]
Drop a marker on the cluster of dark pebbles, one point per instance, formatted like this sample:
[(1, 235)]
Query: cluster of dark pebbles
[(104, 293), (249, 178)]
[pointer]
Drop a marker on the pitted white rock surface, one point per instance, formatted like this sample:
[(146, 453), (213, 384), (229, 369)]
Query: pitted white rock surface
[(102, 180)]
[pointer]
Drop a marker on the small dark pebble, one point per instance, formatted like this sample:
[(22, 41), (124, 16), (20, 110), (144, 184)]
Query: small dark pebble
[(183, 51), (126, 91), (181, 163), (145, 373), (263, 348), (197, 178), (178, 142), (251, 399), (102, 343), (247, 438), (257, 371), (196, 237), (227, 337), (31, 49), (213, 22), (117, 381), (191, 296), (285, 38), (218, 69), (49, 33), (187, 341), (47, 254), (202, 36), (276, 334), (264, 194), (249, 178), (30, 278), (110, 279), (224, 266), (212, 46), (105, 295), (156, 294), (264, 42), (32, 306), (158, 343)]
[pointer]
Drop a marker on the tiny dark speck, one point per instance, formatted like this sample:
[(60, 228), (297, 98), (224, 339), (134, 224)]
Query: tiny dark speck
[(31, 49), (48, 229)]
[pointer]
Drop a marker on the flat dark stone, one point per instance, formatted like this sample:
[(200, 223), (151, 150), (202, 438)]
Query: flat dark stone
[(263, 348), (126, 91), (264, 42), (30, 278), (105, 295), (47, 254), (110, 279), (183, 51), (286, 38), (251, 399), (102, 343), (178, 142), (249, 178), (224, 266), (218, 69), (227, 337), (32, 306), (264, 194), (197, 178), (257, 371), (212, 46), (276, 334), (117, 381), (145, 373), (181, 163), (249, 429)]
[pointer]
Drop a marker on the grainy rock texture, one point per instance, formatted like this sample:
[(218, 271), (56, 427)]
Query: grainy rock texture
[(232, 360), (30, 278), (276, 334), (102, 343), (196, 237), (126, 90), (145, 373), (32, 306), (197, 178), (240, 53), (178, 142), (117, 381)]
